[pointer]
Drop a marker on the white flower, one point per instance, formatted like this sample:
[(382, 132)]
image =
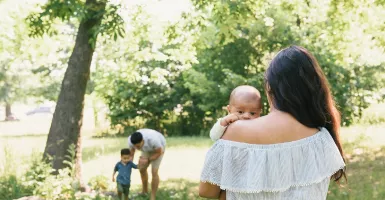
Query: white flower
[(269, 21)]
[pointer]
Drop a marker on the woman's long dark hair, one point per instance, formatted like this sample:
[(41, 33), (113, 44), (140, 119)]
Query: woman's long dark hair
[(296, 84)]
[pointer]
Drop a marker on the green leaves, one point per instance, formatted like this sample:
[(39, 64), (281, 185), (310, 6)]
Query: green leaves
[(331, 30), (43, 22), (112, 24), (179, 75)]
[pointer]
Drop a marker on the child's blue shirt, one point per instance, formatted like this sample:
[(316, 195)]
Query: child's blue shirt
[(124, 176)]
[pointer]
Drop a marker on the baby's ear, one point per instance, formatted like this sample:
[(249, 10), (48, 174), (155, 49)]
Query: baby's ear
[(228, 108)]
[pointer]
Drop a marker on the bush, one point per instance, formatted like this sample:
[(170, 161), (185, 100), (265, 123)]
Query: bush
[(11, 187), (39, 181), (372, 120), (57, 187), (38, 173), (232, 46), (99, 183)]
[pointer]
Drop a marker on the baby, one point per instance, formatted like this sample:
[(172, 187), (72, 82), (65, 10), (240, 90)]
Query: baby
[(245, 103)]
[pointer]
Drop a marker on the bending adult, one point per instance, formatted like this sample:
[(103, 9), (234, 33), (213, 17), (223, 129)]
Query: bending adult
[(152, 144), (291, 153)]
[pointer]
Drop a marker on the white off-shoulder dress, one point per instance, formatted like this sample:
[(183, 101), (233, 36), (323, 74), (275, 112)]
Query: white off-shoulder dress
[(297, 170)]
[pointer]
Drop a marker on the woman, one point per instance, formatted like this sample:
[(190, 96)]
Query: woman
[(291, 153)]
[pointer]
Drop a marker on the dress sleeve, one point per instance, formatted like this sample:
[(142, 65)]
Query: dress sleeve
[(250, 168)]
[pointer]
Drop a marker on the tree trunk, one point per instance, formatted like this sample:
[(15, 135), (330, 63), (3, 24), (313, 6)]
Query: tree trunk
[(8, 110), (67, 119)]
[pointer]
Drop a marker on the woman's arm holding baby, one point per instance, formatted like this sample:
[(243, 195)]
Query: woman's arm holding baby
[(208, 190)]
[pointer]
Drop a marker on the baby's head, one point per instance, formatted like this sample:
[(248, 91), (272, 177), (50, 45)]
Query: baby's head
[(125, 155), (245, 101)]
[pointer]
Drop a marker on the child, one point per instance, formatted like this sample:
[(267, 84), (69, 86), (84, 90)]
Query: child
[(123, 167), (245, 103)]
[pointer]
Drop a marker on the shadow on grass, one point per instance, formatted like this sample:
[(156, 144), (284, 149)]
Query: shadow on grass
[(180, 189), (365, 173)]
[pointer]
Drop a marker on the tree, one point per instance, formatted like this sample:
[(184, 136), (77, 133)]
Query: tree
[(180, 78), (30, 67), (15, 58), (95, 17), (233, 42), (338, 33), (137, 75)]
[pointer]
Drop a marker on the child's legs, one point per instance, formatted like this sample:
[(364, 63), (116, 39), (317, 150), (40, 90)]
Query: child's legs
[(126, 191), (120, 190)]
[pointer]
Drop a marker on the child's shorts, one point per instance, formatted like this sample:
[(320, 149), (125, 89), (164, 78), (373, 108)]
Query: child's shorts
[(125, 189)]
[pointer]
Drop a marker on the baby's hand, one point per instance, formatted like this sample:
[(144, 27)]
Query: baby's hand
[(113, 179), (229, 119)]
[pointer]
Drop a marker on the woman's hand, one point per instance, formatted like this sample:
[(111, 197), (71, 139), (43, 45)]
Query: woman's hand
[(222, 195)]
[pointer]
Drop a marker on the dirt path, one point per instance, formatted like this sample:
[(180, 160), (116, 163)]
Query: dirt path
[(177, 163)]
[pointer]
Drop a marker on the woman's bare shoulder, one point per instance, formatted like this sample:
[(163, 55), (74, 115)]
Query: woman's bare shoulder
[(267, 130), (244, 130)]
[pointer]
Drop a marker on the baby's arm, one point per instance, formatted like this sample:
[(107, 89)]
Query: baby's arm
[(217, 131), (220, 127)]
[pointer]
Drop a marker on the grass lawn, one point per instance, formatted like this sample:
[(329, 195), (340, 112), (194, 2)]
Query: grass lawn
[(363, 145), (366, 176), (173, 189)]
